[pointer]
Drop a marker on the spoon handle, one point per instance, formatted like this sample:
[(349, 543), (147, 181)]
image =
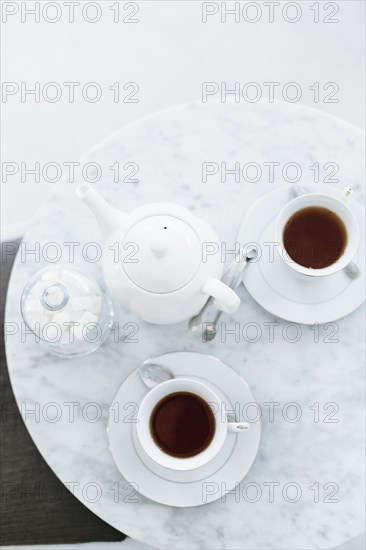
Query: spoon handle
[(233, 279), (196, 320), (211, 328)]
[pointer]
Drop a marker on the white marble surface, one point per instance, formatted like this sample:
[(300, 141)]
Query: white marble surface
[(131, 544), (169, 149), (126, 544)]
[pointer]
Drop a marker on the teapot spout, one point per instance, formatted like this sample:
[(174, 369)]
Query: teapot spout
[(108, 218)]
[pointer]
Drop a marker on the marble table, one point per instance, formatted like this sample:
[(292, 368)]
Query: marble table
[(305, 487)]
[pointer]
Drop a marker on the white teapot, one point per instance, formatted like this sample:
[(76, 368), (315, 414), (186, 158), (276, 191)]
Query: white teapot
[(153, 260)]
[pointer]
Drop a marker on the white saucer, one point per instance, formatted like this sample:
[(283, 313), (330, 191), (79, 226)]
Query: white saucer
[(184, 488), (283, 293)]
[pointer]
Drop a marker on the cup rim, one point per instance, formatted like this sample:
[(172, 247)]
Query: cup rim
[(151, 448), (345, 258)]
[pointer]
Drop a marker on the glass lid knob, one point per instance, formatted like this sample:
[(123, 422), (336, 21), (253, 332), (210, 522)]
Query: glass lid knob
[(54, 297)]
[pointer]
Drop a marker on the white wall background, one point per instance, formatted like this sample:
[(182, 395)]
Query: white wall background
[(169, 53)]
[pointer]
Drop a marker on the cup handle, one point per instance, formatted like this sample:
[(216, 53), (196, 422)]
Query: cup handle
[(346, 193), (237, 426)]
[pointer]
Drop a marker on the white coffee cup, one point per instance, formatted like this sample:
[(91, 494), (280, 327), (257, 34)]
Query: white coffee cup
[(222, 426), (335, 204)]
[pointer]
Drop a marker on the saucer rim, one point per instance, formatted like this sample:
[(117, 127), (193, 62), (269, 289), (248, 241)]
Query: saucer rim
[(257, 426), (290, 309)]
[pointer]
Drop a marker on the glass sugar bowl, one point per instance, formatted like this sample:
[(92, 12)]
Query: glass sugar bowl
[(67, 310)]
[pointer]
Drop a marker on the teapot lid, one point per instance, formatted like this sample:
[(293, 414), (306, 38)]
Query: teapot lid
[(161, 253)]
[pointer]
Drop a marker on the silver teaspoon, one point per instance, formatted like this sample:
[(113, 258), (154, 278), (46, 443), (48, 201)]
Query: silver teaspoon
[(233, 279), (153, 374), (297, 191), (211, 328), (196, 321)]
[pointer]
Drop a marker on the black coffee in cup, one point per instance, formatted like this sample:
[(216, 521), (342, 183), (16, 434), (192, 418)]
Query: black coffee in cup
[(182, 424), (315, 237)]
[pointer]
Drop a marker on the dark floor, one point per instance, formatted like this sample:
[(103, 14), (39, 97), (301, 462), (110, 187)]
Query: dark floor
[(29, 515)]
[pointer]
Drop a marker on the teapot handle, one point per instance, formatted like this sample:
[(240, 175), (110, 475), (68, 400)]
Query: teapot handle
[(225, 298)]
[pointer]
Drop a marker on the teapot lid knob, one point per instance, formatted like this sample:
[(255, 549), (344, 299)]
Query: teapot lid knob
[(159, 246), (167, 253)]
